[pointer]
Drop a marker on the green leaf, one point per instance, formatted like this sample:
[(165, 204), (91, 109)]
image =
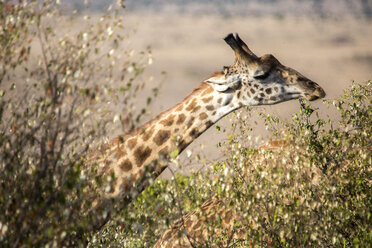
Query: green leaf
[(174, 154)]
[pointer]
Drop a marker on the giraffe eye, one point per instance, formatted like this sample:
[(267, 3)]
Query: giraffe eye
[(262, 76)]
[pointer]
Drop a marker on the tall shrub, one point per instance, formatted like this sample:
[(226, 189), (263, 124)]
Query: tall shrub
[(65, 80)]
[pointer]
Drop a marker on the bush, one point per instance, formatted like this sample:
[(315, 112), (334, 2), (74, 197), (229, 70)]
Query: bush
[(57, 98), (314, 191)]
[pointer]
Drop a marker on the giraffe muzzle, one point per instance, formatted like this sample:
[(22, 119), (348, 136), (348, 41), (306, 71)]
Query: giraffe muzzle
[(318, 93)]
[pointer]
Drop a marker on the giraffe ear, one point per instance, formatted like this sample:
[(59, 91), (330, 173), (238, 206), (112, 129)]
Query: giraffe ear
[(222, 83)]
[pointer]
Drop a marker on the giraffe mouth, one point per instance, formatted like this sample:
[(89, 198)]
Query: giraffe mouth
[(318, 93)]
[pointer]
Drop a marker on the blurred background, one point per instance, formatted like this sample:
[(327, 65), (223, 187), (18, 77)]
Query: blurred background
[(329, 41)]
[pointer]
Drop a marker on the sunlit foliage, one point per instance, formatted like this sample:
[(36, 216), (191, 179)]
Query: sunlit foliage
[(60, 93), (312, 191)]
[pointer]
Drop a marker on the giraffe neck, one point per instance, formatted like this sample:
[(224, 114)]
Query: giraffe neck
[(140, 156)]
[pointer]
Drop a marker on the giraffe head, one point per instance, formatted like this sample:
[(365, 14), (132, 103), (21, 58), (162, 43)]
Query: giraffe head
[(262, 80)]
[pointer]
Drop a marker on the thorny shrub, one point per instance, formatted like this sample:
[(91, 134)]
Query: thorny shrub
[(313, 192), (63, 78)]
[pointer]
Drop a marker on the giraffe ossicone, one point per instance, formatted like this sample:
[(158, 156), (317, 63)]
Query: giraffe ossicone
[(139, 157)]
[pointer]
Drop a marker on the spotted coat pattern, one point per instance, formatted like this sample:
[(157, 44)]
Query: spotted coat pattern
[(140, 156)]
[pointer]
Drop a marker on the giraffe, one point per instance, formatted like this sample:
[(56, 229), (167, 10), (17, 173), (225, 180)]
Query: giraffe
[(137, 158), (191, 230)]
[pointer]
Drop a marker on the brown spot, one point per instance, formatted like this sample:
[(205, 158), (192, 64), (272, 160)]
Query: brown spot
[(203, 116), (253, 91), (126, 186), (181, 119), (207, 91), (248, 94), (126, 165), (210, 107), (256, 86), (190, 122), (194, 133), (188, 223), (176, 130), (214, 112), (195, 109), (181, 145), (140, 173), (120, 153), (191, 105), (256, 98), (206, 100), (179, 108), (273, 98), (161, 137), (132, 179), (219, 100), (209, 123), (239, 94), (141, 154), (276, 89), (132, 143), (198, 224), (164, 153), (168, 122), (127, 183), (262, 94), (268, 91), (148, 133), (198, 233)]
